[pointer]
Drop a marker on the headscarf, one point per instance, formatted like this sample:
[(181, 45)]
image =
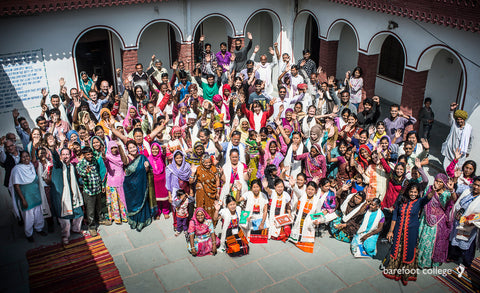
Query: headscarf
[(217, 98), (183, 172), (318, 130), (96, 137), (126, 121), (113, 159), (81, 115), (442, 177), (195, 224), (217, 125), (244, 134), (104, 123), (226, 87), (69, 134), (363, 161), (460, 114), (267, 155), (175, 129), (158, 166)]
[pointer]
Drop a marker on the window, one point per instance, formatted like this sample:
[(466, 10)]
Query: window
[(392, 59)]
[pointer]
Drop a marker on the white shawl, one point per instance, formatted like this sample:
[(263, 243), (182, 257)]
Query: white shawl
[(307, 126), (473, 208), (68, 204), (465, 139), (41, 173), (261, 201), (295, 166), (21, 174), (308, 230), (273, 230), (227, 218), (241, 151), (363, 228), (227, 171), (343, 208)]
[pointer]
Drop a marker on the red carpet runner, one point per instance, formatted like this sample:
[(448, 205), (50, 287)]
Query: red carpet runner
[(84, 265)]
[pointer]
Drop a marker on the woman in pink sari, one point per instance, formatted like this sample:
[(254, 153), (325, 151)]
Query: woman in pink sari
[(202, 239), (117, 209), (315, 163), (157, 162), (271, 155)]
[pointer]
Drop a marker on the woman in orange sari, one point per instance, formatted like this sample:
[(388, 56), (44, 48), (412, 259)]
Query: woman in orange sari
[(207, 185)]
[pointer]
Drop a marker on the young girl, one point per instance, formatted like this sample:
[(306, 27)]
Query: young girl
[(232, 240), (257, 205), (181, 209), (279, 205)]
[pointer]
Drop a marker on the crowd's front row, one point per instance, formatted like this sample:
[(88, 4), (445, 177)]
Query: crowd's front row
[(272, 209)]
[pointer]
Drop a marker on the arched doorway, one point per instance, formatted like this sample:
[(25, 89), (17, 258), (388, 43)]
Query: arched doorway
[(305, 36), (216, 30), (444, 83), (98, 52), (265, 29), (159, 39), (347, 54), (391, 64)]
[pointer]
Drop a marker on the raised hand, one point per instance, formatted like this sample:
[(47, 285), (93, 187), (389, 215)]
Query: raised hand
[(425, 143), (453, 106), (62, 82), (398, 133), (249, 35), (458, 172), (458, 154), (44, 92), (202, 38), (302, 63), (153, 57), (418, 163), (15, 113), (271, 51), (256, 49), (376, 99), (94, 78), (232, 57)]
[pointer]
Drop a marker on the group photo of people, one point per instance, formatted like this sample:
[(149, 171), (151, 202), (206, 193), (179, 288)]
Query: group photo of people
[(239, 151)]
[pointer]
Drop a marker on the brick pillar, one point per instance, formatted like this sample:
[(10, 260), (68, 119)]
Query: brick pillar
[(231, 43), (369, 64), (129, 59), (413, 92), (185, 54), (328, 56)]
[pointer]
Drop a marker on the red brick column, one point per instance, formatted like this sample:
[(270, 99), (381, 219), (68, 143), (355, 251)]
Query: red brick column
[(369, 64), (129, 59), (413, 92), (328, 56), (231, 43), (185, 54)]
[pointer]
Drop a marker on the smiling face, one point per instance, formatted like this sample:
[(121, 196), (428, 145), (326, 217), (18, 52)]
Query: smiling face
[(65, 156), (132, 149), (300, 181), (279, 188), (311, 191), (273, 148), (155, 150), (25, 158), (413, 193), (200, 216), (178, 159), (234, 158)]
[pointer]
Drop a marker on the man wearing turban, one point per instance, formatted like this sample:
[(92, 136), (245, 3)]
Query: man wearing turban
[(460, 137)]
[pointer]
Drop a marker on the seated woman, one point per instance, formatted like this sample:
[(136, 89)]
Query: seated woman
[(350, 216), (232, 240), (315, 163), (303, 231), (279, 205), (202, 239), (364, 243), (327, 200), (257, 204)]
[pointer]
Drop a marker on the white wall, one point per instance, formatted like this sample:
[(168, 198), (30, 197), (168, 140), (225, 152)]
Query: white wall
[(347, 54), (388, 90), (155, 41), (442, 84)]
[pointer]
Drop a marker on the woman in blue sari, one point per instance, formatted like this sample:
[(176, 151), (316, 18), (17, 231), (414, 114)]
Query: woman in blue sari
[(139, 189)]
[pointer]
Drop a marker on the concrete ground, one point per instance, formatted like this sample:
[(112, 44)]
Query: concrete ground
[(156, 261)]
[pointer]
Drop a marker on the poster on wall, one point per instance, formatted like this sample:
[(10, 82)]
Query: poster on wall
[(22, 78)]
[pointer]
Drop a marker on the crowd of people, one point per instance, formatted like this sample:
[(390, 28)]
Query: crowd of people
[(266, 157)]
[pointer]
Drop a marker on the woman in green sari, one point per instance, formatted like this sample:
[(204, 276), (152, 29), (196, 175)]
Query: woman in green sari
[(139, 189)]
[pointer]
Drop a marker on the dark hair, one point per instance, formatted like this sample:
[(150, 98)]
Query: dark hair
[(138, 64), (345, 92), (281, 87), (210, 76), (377, 201), (164, 75), (223, 44), (264, 130), (129, 142), (305, 51), (81, 127), (368, 101), (362, 194), (180, 193), (346, 110), (405, 197), (234, 151), (402, 157), (359, 71), (296, 133), (299, 103), (40, 118), (313, 184), (249, 62), (474, 165), (87, 150), (258, 82), (363, 132), (236, 132), (278, 181), (229, 199), (428, 100), (380, 123), (137, 130), (302, 175), (395, 106), (270, 168), (257, 182), (55, 111), (476, 178), (205, 131), (178, 153), (182, 74), (408, 143), (64, 148), (97, 128), (258, 103), (294, 67), (323, 181), (54, 97), (208, 45), (20, 119), (413, 132)]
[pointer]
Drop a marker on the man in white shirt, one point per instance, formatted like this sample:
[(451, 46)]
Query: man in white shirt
[(264, 68), (287, 102), (296, 78)]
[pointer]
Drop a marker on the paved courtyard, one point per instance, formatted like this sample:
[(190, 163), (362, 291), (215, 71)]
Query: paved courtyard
[(157, 261)]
